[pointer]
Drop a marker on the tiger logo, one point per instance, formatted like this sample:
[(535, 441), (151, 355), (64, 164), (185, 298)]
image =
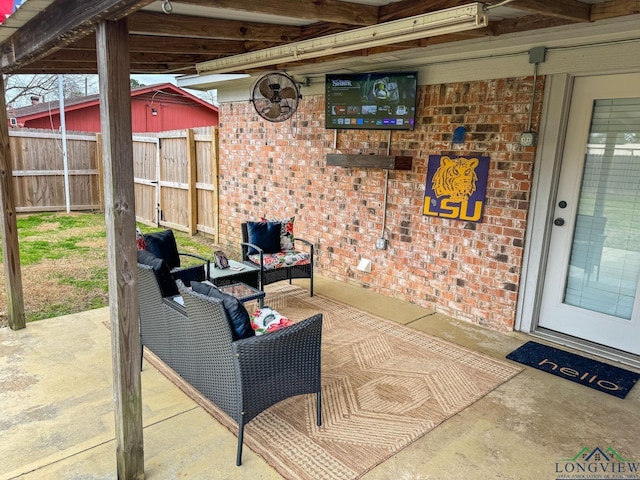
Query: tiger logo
[(456, 178)]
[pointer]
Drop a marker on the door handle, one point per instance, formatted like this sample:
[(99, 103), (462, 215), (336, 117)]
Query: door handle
[(558, 222)]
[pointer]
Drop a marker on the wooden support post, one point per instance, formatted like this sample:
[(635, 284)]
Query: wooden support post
[(117, 154), (215, 164), (9, 232), (192, 202)]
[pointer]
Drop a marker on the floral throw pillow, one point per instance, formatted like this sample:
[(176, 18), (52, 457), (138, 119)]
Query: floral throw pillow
[(267, 320), (286, 231), (142, 245)]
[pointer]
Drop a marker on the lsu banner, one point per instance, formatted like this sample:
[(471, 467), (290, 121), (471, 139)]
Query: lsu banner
[(456, 187)]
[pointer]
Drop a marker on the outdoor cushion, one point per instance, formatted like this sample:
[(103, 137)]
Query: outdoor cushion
[(267, 320), (237, 315), (163, 245), (140, 243), (282, 259), (286, 232), (166, 283), (265, 235)]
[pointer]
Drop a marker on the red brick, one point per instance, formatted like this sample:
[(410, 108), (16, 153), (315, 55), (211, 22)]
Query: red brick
[(280, 170)]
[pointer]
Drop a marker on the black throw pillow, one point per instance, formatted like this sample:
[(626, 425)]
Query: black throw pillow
[(265, 235), (166, 283), (163, 245), (237, 315)]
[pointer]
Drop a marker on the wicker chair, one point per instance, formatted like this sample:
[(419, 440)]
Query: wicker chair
[(163, 245), (243, 377), (271, 275), (163, 324)]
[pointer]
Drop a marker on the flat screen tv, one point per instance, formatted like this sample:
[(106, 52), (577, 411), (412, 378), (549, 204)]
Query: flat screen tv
[(371, 101)]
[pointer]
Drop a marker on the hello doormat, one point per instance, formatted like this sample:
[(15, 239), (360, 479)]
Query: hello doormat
[(585, 371)]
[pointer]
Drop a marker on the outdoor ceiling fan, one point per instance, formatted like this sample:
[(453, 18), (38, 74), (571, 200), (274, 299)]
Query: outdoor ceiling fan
[(275, 96)]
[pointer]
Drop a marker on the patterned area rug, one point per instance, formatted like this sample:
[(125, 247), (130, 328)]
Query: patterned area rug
[(384, 386)]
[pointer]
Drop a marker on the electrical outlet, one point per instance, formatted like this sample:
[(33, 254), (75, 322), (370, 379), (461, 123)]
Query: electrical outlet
[(527, 139), (364, 265), (381, 244)]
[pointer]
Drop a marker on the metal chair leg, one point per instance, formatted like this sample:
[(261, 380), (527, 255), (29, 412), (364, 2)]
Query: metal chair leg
[(240, 438)]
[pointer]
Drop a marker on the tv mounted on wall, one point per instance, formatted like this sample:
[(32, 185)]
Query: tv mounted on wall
[(371, 101)]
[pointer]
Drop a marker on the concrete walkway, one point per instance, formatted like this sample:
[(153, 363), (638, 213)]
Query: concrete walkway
[(56, 414)]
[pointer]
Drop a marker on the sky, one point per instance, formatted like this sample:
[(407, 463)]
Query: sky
[(153, 79), (156, 78), (91, 87)]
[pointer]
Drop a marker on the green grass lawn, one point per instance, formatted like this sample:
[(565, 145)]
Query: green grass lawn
[(63, 261)]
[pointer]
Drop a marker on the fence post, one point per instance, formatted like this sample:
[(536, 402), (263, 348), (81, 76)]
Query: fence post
[(191, 179), (215, 164), (100, 172)]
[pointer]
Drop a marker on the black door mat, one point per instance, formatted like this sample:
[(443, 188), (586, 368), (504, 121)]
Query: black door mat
[(585, 371)]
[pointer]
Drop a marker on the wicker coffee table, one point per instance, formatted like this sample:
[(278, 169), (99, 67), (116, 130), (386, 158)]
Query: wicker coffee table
[(243, 292), (237, 272)]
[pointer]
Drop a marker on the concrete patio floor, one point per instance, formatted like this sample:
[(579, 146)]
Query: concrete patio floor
[(56, 417)]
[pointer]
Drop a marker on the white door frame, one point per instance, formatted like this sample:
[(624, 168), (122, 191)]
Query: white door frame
[(555, 113)]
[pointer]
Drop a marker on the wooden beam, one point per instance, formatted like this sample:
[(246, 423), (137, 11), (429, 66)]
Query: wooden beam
[(155, 44), (389, 162), (9, 227), (61, 23), (387, 13), (167, 59), (159, 24), (160, 58), (526, 23), (324, 28), (314, 10), (117, 155), (565, 9), (89, 69), (409, 8), (43, 67), (614, 8)]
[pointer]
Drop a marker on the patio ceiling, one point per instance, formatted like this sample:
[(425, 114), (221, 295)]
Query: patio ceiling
[(58, 36)]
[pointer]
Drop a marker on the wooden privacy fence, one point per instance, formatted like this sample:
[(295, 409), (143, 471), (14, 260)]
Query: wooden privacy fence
[(38, 171), (175, 175)]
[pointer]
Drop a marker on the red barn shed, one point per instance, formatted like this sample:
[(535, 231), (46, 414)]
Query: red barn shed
[(156, 108)]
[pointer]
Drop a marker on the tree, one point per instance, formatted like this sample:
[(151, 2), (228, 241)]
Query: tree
[(135, 83), (19, 89), (210, 96)]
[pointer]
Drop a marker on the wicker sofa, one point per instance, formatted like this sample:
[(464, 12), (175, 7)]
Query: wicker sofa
[(242, 377)]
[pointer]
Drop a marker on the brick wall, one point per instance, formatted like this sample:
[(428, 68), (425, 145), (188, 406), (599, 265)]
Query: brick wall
[(468, 270)]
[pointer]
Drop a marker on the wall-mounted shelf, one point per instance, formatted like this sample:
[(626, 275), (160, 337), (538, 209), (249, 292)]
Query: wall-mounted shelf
[(388, 162)]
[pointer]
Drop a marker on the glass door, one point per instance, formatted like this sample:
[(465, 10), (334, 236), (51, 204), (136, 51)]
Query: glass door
[(593, 268)]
